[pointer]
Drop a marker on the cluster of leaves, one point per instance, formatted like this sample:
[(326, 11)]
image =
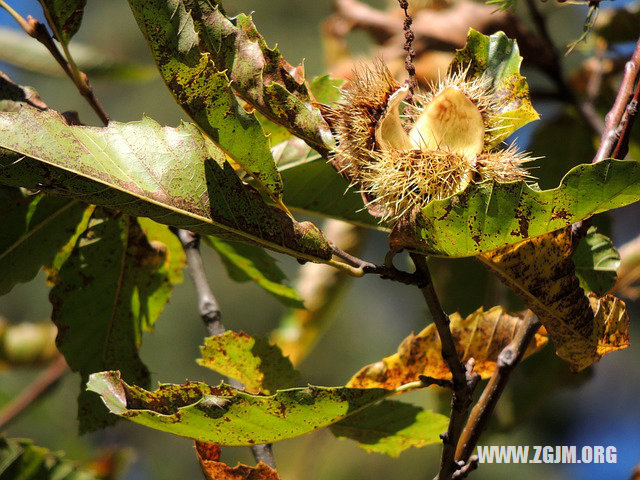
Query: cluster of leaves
[(94, 206)]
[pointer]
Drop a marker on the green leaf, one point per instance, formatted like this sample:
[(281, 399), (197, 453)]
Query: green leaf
[(64, 17), (392, 427), (18, 50), (311, 184), (52, 268), (21, 460), (164, 241), (596, 261), (498, 58), (246, 263), (488, 215), (326, 89), (274, 132), (227, 416), (34, 228), (256, 363), (259, 74), (172, 175), (113, 285), (201, 86)]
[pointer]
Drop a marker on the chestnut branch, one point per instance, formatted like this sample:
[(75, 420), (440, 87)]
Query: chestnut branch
[(212, 316)]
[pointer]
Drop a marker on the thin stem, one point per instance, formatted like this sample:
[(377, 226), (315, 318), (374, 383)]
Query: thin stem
[(584, 108), (263, 453), (464, 380), (386, 271), (350, 259), (39, 32), (465, 470), (42, 384), (427, 381), (509, 357), (408, 387), (18, 18), (346, 268), (212, 316), (207, 303)]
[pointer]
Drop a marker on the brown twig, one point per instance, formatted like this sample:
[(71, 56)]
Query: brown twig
[(386, 272), (614, 142), (509, 357), (620, 118), (466, 469), (39, 32), (463, 378), (212, 316), (207, 303), (427, 381), (350, 259), (389, 272), (43, 383)]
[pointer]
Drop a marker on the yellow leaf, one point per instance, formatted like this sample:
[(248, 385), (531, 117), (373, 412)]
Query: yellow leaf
[(541, 272), (482, 336)]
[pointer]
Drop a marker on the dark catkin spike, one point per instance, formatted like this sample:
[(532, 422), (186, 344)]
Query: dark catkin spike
[(409, 36)]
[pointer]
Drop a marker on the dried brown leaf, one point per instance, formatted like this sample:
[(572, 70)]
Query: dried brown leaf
[(611, 323), (541, 272), (213, 469), (481, 336)]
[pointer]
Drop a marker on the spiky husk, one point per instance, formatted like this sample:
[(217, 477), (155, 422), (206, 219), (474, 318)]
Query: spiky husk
[(506, 165), (355, 118), (398, 181)]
